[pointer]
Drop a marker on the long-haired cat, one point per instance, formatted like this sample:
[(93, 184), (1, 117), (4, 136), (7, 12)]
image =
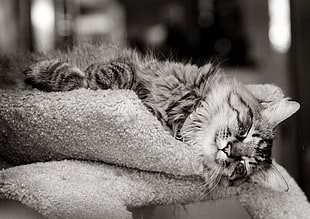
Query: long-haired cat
[(199, 105)]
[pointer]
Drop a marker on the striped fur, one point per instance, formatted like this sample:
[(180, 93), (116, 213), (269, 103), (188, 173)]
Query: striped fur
[(115, 75), (232, 130), (55, 76)]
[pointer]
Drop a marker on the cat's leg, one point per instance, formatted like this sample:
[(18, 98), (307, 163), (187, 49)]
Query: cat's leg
[(114, 75), (53, 75)]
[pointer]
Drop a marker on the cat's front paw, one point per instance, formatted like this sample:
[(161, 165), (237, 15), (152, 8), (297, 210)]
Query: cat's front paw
[(53, 75), (113, 75)]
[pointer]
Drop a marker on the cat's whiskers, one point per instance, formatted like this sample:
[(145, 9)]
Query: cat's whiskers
[(215, 179)]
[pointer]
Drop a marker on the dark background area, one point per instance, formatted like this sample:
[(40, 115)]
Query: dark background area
[(257, 41)]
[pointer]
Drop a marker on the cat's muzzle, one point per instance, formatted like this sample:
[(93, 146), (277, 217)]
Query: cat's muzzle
[(227, 149)]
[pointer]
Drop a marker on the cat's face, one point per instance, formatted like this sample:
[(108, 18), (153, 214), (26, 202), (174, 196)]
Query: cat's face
[(235, 132)]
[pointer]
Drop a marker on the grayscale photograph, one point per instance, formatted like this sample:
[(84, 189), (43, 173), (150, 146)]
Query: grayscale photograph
[(154, 109)]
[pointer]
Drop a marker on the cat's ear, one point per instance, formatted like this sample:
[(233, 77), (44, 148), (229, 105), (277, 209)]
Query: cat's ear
[(265, 92), (271, 178), (276, 107), (278, 111)]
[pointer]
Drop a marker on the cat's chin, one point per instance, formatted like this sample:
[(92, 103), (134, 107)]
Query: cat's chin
[(220, 157)]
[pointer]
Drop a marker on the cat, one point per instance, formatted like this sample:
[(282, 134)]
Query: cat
[(199, 105)]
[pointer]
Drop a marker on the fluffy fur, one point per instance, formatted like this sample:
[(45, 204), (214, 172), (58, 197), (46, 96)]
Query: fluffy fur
[(199, 105)]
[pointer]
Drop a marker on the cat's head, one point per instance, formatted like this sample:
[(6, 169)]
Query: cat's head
[(235, 129)]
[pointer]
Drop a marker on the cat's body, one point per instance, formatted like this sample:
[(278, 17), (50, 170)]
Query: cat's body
[(170, 90), (199, 105)]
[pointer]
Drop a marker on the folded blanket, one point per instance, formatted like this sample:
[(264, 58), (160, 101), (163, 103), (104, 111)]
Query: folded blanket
[(102, 128), (75, 189), (109, 126)]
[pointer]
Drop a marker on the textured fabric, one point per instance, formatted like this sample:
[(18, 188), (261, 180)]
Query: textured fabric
[(75, 189), (104, 128), (109, 126)]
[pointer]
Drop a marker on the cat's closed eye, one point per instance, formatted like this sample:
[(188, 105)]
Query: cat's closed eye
[(243, 133), (244, 129), (256, 135), (241, 136)]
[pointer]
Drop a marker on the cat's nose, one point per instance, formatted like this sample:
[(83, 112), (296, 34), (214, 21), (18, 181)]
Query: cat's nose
[(227, 149), (239, 149)]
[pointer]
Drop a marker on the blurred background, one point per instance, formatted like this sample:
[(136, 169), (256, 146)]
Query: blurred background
[(257, 41)]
